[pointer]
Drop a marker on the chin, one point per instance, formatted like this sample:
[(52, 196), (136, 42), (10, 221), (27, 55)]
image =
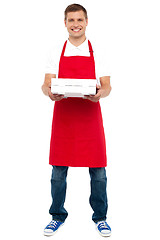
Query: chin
[(76, 35)]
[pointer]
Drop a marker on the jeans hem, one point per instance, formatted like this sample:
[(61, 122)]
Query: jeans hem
[(95, 221), (58, 220)]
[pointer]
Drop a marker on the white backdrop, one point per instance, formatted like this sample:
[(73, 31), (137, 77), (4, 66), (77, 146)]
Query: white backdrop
[(130, 31)]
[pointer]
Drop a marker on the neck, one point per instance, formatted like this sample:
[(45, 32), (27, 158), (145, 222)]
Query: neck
[(77, 41)]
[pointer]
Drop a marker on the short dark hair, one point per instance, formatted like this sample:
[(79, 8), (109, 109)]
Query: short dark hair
[(74, 8)]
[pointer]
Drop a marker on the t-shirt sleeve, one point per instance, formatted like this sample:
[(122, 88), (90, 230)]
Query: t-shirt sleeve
[(102, 61), (51, 62)]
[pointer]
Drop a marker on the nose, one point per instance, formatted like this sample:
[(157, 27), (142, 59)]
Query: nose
[(76, 24)]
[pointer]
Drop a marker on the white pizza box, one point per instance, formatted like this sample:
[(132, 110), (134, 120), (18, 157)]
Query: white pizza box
[(73, 87)]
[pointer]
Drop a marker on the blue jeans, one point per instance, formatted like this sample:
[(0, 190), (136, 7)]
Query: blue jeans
[(98, 197)]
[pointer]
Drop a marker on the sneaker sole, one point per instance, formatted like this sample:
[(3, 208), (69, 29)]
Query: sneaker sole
[(51, 234)]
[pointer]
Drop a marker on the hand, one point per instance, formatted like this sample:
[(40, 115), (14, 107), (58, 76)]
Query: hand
[(55, 97), (47, 91), (94, 98)]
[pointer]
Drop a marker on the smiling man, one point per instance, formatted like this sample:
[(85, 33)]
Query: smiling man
[(76, 23), (77, 138)]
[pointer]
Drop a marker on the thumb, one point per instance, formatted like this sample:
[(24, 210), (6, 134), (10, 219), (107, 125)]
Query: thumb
[(98, 86)]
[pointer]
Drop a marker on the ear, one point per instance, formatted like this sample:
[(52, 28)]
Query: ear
[(86, 21), (65, 22)]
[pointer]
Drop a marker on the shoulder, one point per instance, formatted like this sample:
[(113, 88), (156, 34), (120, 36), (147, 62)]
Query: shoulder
[(101, 56), (99, 50), (102, 49), (98, 46), (54, 51)]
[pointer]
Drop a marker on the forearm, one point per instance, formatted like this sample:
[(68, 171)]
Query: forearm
[(106, 90), (47, 83), (45, 89), (105, 86)]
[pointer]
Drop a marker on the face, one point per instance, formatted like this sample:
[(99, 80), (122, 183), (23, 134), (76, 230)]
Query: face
[(76, 24)]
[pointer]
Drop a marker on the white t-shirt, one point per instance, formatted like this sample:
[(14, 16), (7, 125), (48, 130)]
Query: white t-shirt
[(100, 57)]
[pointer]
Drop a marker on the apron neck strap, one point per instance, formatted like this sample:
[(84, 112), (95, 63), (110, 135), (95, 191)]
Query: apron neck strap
[(90, 48), (89, 44), (64, 47)]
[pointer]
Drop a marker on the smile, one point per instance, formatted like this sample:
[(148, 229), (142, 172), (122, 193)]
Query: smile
[(76, 30)]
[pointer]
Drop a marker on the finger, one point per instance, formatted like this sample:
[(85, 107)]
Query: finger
[(86, 96), (59, 97), (52, 98), (50, 95), (98, 94), (55, 95)]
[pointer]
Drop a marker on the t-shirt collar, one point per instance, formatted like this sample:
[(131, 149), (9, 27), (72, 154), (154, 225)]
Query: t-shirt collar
[(80, 47)]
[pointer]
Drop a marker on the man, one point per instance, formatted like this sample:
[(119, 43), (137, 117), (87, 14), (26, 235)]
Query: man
[(77, 138)]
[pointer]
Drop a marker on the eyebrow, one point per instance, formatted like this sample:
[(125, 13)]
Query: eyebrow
[(73, 19)]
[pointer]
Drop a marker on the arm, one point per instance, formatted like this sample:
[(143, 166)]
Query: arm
[(105, 86), (46, 88)]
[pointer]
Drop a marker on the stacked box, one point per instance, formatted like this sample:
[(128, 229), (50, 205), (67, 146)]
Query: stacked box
[(73, 87)]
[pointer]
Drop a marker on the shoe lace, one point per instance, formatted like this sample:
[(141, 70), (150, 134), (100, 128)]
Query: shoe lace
[(103, 225), (53, 223)]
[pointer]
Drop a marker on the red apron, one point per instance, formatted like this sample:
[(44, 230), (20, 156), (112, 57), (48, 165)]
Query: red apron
[(77, 137)]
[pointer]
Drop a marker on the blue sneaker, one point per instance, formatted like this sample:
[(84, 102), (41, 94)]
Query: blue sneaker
[(103, 228), (52, 227)]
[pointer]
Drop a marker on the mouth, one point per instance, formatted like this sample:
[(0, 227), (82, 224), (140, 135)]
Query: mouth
[(76, 30)]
